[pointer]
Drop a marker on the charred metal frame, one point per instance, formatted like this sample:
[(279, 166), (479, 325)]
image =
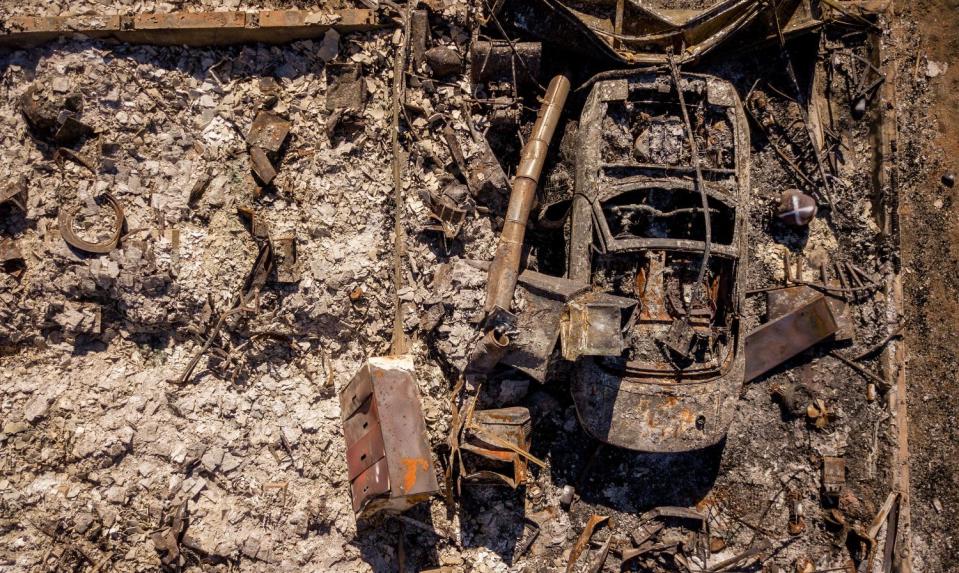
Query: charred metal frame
[(657, 407)]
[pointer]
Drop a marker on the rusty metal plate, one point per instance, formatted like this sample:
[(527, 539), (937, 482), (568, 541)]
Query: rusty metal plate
[(512, 425), (356, 392), (781, 301), (186, 20), (591, 329), (372, 483), (555, 288), (404, 429), (356, 426), (537, 330), (833, 474), (495, 61), (497, 436), (268, 131), (779, 340), (366, 451)]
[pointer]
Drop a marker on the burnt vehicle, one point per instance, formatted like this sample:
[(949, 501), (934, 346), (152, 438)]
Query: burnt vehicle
[(668, 376)]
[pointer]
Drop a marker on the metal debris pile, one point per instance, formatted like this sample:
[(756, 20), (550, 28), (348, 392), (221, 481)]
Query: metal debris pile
[(465, 290)]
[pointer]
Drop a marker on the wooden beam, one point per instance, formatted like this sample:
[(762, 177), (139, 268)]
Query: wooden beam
[(187, 28)]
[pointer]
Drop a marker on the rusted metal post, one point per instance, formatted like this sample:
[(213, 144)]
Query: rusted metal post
[(504, 270)]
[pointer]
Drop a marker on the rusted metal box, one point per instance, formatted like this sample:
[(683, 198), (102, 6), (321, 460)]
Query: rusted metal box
[(833, 475), (387, 453), (492, 440)]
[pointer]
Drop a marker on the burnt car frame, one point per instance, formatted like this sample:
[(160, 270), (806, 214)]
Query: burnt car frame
[(637, 232)]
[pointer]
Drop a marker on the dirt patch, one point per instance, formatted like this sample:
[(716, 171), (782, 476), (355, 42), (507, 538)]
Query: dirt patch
[(930, 238)]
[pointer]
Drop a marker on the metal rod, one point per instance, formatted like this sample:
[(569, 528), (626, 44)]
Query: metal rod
[(883, 384), (398, 344), (694, 149), (504, 271)]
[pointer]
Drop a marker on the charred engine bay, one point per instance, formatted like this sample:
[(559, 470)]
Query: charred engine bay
[(246, 329)]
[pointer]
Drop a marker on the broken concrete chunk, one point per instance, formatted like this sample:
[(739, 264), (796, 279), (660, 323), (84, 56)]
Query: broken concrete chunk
[(79, 318), (230, 462), (82, 522), (330, 46), (37, 408), (178, 453), (212, 458), (12, 428)]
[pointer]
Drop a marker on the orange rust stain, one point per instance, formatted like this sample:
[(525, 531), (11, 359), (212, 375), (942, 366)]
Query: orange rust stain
[(686, 416), (707, 502), (505, 455), (409, 474), (670, 401), (650, 418)]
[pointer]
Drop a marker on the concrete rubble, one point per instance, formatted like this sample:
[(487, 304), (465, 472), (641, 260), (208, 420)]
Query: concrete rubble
[(165, 407)]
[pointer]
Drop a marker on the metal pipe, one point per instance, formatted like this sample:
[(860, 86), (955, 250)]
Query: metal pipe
[(488, 352), (504, 271)]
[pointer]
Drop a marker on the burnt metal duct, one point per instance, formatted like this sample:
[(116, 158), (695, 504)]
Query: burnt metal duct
[(504, 271)]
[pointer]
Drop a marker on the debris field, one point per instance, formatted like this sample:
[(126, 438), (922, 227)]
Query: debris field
[(455, 286)]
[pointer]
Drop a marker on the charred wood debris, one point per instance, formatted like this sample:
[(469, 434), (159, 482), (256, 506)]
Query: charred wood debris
[(450, 286)]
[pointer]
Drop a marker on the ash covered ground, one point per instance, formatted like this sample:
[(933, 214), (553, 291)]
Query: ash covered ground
[(105, 450)]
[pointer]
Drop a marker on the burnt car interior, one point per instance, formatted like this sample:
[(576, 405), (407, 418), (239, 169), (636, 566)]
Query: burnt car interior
[(651, 226), (663, 284)]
